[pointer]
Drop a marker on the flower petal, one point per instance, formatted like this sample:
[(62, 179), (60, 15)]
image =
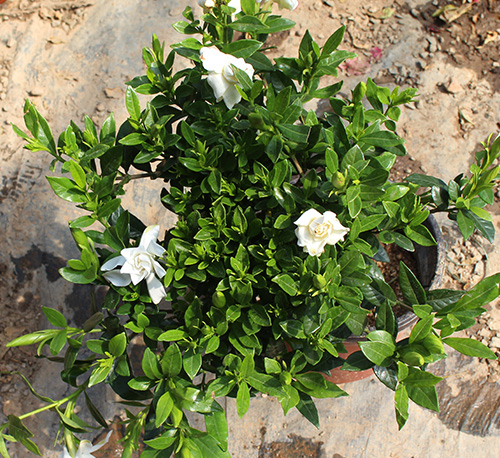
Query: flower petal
[(213, 59), (236, 4), (219, 84), (155, 288), (315, 248), (65, 453), (336, 236), (159, 270), (155, 249), (307, 217), (231, 96), (116, 278), (110, 264), (101, 443), (288, 4), (149, 235)]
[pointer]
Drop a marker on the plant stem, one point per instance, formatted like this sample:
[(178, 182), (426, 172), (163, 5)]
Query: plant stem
[(299, 168), (51, 406)]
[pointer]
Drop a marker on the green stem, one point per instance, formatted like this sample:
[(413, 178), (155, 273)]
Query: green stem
[(55, 404)]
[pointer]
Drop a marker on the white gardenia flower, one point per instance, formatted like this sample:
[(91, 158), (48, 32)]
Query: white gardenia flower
[(236, 4), (287, 4), (206, 4), (209, 4), (86, 448), (221, 76), (139, 264), (315, 230)]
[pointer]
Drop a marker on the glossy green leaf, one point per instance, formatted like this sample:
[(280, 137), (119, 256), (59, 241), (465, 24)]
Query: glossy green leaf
[(163, 408), (118, 344), (425, 396), (171, 362), (55, 317), (242, 399), (191, 363), (470, 347), (401, 402)]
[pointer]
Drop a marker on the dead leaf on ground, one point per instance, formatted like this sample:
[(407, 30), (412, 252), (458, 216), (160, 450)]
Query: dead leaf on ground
[(384, 13), (491, 37), (451, 13), (55, 41)]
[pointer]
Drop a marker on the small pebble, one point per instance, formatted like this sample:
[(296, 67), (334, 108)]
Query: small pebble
[(36, 91), (495, 342)]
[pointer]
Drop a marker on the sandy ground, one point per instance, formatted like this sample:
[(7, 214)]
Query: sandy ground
[(72, 58)]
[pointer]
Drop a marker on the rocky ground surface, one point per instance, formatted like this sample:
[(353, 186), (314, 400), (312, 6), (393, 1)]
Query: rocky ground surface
[(72, 57)]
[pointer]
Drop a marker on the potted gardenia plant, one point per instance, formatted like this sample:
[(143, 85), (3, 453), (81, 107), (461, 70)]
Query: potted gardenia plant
[(282, 219)]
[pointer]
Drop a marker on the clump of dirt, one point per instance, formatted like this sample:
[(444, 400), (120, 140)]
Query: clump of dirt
[(298, 447), (468, 32), (61, 13)]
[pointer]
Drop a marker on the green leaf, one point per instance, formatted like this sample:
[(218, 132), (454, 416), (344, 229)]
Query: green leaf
[(379, 348), (55, 317), (242, 399), (150, 365), (132, 104), (243, 78), (163, 408), (108, 208), (327, 92), (78, 174), (21, 433), (216, 425), (484, 292), (3, 448), (417, 377), (101, 371), (108, 130), (286, 283), (209, 447), (333, 42), (426, 181), (420, 234), (118, 344), (425, 396), (133, 139), (382, 139), (242, 48), (162, 442), (171, 362), (411, 288), (58, 342), (173, 335), (481, 223), (371, 222), (293, 328), (191, 363), (295, 133), (248, 24), (465, 224), (95, 412), (470, 347), (401, 405), (422, 329), (308, 409), (66, 189)]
